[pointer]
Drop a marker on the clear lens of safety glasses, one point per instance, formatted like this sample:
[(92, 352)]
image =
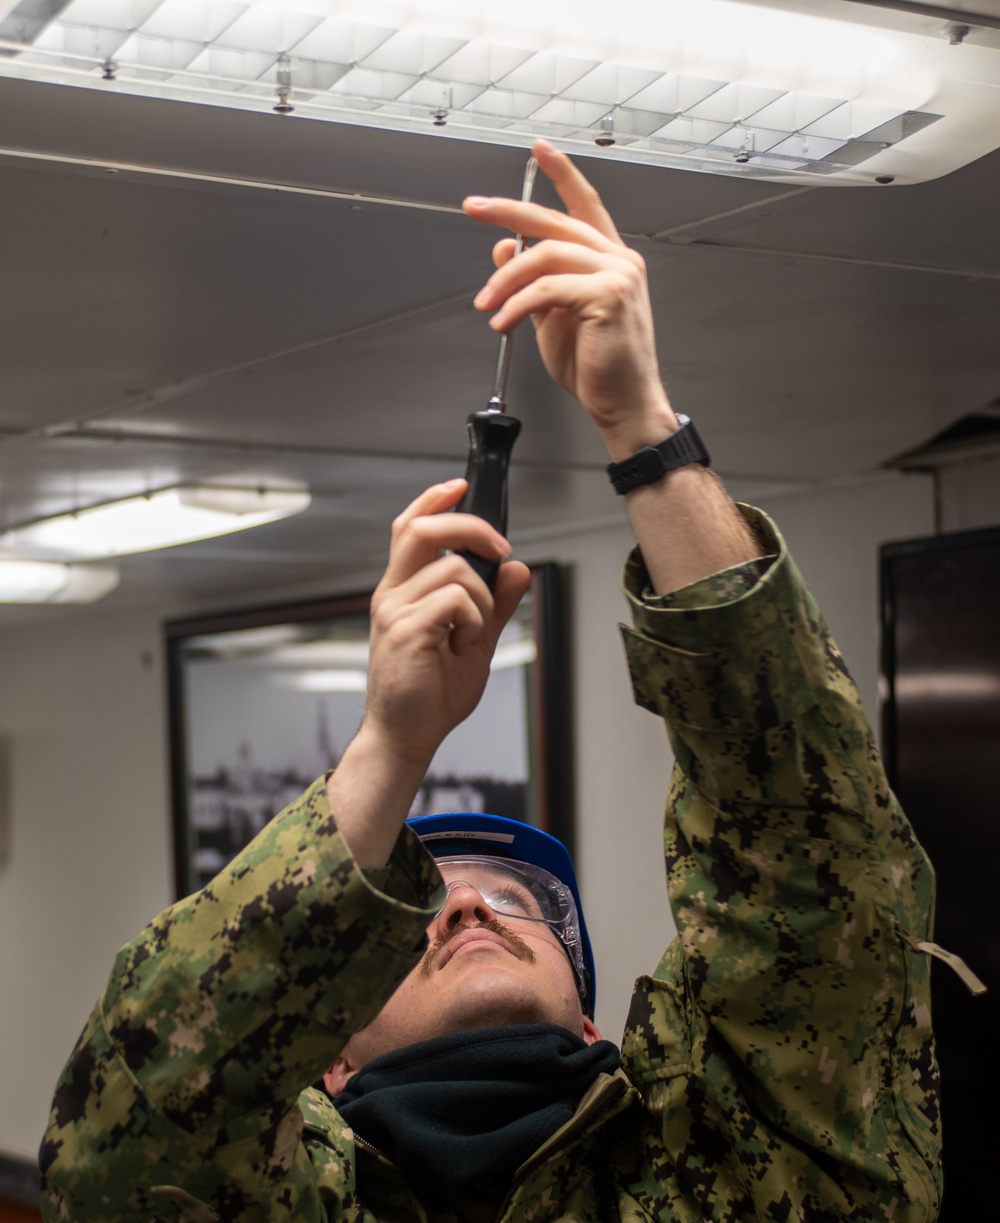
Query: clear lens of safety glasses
[(523, 892)]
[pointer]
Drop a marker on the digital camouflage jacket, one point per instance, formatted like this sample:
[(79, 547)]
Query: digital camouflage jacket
[(778, 1064)]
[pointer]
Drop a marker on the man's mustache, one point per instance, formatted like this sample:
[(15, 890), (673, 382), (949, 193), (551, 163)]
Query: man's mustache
[(517, 945)]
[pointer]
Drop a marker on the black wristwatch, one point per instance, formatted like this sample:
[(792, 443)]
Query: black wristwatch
[(652, 463)]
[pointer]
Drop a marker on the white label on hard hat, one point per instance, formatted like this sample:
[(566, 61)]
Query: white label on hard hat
[(506, 837)]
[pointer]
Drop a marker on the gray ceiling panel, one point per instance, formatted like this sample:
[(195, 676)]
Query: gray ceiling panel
[(212, 311), (127, 287), (948, 223)]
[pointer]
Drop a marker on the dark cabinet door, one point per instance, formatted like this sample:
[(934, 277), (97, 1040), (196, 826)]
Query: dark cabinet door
[(941, 736)]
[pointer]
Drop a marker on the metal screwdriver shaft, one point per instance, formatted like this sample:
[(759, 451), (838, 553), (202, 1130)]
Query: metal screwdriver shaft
[(492, 434), (499, 396)]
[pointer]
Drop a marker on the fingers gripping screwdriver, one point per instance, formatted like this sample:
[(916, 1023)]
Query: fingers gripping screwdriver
[(492, 434)]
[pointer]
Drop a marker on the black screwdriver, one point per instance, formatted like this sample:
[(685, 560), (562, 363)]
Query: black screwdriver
[(492, 434)]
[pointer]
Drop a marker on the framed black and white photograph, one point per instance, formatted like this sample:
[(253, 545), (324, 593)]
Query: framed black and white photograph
[(264, 700)]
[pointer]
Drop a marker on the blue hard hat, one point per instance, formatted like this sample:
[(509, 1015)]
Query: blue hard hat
[(460, 833)]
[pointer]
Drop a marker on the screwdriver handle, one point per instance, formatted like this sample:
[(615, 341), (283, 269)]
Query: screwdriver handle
[(491, 439)]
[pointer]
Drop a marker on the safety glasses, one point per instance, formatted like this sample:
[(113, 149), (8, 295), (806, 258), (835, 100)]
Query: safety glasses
[(522, 892)]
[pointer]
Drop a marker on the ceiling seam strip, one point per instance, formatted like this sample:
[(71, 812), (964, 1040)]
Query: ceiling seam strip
[(828, 483), (352, 197), (856, 261), (661, 235), (124, 437)]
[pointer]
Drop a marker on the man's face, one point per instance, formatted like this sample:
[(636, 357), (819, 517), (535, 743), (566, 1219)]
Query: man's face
[(482, 968)]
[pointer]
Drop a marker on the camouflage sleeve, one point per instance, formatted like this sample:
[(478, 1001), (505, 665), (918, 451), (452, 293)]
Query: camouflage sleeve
[(784, 1043), (183, 1087)]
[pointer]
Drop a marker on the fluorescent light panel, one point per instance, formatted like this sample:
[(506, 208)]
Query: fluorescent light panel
[(328, 681), (343, 674), (161, 520), (720, 85), (24, 581)]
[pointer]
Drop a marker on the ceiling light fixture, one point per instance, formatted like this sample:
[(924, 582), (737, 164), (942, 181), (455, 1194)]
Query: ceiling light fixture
[(828, 91), (327, 681), (162, 519), (24, 581), (344, 673)]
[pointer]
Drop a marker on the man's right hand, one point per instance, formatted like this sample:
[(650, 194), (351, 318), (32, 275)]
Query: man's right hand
[(434, 628), (586, 293)]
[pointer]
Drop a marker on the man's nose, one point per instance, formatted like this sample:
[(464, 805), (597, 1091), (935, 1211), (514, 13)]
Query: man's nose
[(464, 906)]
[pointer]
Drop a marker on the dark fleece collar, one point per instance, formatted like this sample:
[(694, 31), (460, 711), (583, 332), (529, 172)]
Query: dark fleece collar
[(459, 1114)]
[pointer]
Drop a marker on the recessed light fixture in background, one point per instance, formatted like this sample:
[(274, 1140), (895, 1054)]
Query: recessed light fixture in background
[(30, 581), (161, 519)]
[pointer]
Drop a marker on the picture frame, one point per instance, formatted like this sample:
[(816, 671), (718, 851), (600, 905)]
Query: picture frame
[(262, 700)]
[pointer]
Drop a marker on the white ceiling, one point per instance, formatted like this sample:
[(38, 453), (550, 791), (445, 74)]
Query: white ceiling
[(192, 293)]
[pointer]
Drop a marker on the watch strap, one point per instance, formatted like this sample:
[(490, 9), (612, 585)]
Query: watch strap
[(651, 463)]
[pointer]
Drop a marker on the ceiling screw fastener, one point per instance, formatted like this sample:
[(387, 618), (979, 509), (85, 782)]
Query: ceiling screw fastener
[(956, 34), (440, 112), (284, 80), (109, 70), (885, 178)]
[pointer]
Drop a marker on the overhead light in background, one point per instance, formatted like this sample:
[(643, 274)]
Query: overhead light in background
[(327, 681), (323, 654), (515, 653), (322, 666), (24, 581), (162, 519), (826, 91), (341, 666)]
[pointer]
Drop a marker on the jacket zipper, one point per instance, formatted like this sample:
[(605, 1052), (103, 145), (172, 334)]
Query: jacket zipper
[(363, 1142), (965, 974), (421, 1216)]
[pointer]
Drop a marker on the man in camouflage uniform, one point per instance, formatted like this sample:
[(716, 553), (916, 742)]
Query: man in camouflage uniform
[(777, 1065)]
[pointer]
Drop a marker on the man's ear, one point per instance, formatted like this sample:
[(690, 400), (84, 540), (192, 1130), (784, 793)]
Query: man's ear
[(590, 1032), (336, 1077)]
